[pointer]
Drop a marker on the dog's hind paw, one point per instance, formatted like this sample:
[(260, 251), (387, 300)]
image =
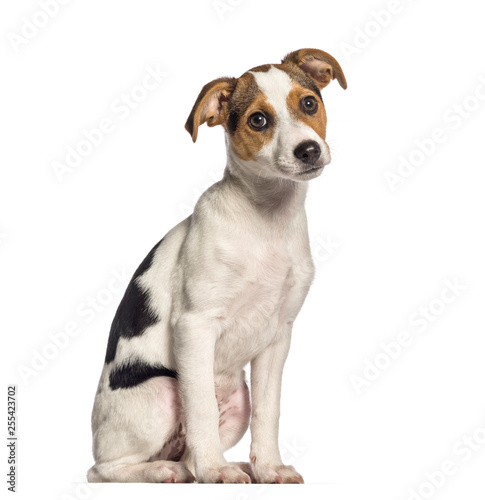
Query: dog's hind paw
[(175, 472), (230, 473), (246, 468)]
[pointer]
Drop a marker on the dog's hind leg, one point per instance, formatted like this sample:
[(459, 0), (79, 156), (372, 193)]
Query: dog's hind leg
[(160, 471), (234, 415), (139, 434)]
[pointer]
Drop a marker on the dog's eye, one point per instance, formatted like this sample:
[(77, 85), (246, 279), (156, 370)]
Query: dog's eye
[(309, 105), (257, 121)]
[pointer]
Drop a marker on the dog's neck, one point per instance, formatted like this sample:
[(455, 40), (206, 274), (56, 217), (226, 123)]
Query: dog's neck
[(277, 197)]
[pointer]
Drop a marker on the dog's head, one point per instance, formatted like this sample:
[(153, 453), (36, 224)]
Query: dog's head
[(274, 114)]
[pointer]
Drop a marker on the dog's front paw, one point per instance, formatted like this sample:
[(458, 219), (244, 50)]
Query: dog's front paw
[(278, 474), (224, 474)]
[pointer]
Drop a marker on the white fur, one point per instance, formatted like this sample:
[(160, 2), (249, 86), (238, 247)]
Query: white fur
[(276, 85), (227, 284)]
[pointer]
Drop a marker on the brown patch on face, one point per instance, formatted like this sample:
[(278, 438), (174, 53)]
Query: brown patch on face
[(318, 120), (246, 100), (299, 76), (263, 68)]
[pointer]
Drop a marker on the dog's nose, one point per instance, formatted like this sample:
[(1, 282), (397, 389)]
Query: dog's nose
[(308, 152)]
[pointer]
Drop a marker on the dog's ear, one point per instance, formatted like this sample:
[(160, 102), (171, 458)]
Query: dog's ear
[(211, 106), (320, 66)]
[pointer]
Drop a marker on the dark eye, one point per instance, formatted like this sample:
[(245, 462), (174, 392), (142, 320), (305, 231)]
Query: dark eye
[(309, 105), (257, 121)]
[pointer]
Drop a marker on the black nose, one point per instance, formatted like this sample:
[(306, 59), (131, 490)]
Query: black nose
[(307, 152)]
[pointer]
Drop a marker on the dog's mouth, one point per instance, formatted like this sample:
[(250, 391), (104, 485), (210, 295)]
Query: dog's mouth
[(311, 170), (295, 171)]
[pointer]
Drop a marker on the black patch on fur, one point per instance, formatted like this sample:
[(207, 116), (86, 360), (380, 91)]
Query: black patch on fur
[(134, 314), (240, 101), (232, 121), (134, 373)]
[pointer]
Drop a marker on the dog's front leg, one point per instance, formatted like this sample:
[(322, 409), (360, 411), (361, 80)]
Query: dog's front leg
[(266, 374), (194, 345)]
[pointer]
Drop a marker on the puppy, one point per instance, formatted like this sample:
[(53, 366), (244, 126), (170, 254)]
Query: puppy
[(220, 290)]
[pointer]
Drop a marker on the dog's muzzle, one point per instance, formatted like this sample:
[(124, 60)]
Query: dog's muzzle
[(308, 152)]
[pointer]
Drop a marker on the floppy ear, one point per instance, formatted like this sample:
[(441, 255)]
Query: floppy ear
[(319, 65), (211, 106)]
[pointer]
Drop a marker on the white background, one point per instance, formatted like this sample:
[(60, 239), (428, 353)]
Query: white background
[(380, 253)]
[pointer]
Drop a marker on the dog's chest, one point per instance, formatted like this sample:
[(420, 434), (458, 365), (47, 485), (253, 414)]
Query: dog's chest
[(264, 281)]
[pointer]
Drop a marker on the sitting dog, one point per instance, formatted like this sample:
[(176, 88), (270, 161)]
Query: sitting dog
[(220, 290)]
